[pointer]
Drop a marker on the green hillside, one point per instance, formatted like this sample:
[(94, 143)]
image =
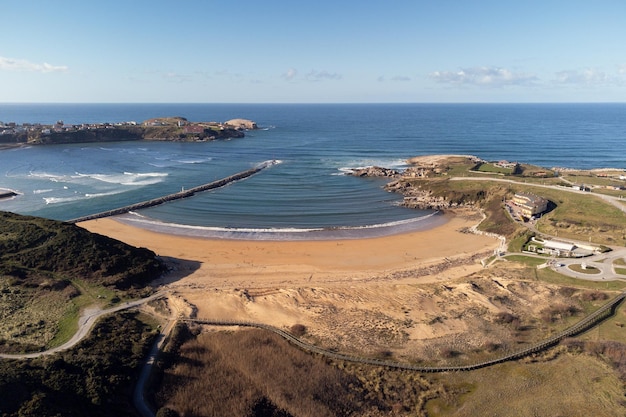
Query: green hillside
[(50, 270)]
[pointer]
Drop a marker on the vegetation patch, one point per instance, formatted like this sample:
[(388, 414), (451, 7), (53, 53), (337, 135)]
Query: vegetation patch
[(492, 168), (526, 260), (536, 386), (591, 270), (257, 373), (49, 270), (96, 378)]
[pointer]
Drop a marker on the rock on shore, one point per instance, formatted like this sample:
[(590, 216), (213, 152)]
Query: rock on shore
[(374, 171)]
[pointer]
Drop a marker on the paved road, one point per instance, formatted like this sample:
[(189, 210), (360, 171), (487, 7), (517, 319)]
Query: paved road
[(602, 262), (85, 323)]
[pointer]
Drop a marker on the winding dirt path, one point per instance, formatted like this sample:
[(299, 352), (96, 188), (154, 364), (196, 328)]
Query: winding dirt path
[(87, 320)]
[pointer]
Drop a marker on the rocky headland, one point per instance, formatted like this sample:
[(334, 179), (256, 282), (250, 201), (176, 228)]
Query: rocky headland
[(161, 128), (421, 196)]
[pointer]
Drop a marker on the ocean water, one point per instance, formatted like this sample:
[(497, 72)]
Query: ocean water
[(315, 144)]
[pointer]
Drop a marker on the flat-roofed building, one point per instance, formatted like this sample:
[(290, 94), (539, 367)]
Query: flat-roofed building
[(530, 204)]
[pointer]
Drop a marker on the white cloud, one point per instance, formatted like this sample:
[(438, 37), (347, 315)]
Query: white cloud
[(11, 64), (290, 74), (484, 76), (176, 77), (396, 78), (322, 75), (586, 77)]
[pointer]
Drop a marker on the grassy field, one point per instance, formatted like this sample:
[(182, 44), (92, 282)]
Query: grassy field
[(578, 385), (526, 260), (583, 217), (590, 270), (493, 169)]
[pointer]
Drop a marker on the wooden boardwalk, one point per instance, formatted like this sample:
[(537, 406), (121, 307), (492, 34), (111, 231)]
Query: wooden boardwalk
[(586, 323)]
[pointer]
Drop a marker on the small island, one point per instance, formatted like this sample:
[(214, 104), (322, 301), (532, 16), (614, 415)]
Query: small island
[(159, 128)]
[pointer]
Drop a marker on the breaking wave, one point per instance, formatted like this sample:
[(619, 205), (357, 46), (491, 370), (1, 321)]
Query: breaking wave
[(289, 233), (128, 178)]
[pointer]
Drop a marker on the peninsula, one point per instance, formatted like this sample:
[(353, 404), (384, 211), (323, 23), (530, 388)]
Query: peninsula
[(160, 128)]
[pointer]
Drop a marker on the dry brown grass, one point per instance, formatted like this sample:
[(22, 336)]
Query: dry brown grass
[(571, 385), (256, 373)]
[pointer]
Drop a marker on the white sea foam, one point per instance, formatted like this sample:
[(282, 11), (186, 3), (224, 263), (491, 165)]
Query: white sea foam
[(57, 200), (192, 160), (47, 190), (96, 195), (398, 164), (77, 197), (128, 178), (47, 176), (285, 233)]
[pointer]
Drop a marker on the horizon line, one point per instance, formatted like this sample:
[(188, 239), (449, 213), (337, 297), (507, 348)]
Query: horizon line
[(306, 103)]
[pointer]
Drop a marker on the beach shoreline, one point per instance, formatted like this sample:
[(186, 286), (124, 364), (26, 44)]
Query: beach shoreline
[(233, 263), (421, 223), (282, 283)]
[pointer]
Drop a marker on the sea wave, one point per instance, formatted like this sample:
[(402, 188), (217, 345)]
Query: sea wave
[(287, 233), (96, 195), (128, 178), (58, 200), (47, 176), (77, 197), (47, 190), (347, 169), (192, 160)]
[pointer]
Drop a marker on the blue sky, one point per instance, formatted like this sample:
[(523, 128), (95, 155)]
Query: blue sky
[(312, 51)]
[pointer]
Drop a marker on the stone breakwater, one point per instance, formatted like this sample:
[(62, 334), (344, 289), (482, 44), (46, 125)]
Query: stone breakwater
[(176, 196), (7, 193)]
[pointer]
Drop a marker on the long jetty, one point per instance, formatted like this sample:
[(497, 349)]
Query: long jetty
[(176, 196), (586, 323)]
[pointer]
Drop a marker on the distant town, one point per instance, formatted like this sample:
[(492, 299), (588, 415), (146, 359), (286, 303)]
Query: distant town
[(162, 128)]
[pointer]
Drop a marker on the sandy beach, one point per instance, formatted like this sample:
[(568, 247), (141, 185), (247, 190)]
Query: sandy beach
[(313, 282), (230, 263)]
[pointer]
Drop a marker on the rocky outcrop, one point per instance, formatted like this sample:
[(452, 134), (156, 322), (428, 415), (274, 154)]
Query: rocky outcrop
[(425, 199), (374, 171), (243, 124)]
